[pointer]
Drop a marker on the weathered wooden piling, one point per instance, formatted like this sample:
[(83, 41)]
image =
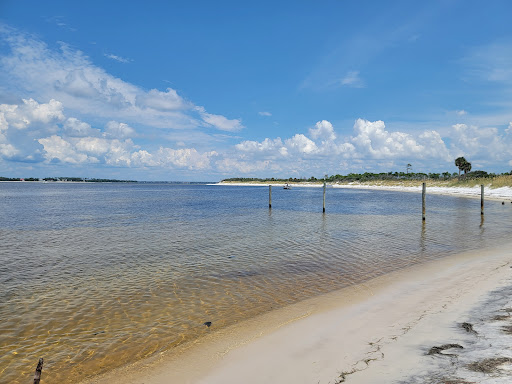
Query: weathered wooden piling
[(39, 369), (423, 195), (482, 199), (324, 198), (269, 197)]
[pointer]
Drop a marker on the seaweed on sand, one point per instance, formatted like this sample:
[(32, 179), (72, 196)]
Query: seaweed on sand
[(435, 378), (489, 365), (468, 327), (343, 376), (439, 350)]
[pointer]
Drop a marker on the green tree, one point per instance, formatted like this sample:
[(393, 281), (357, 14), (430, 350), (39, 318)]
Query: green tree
[(466, 167), (460, 163)]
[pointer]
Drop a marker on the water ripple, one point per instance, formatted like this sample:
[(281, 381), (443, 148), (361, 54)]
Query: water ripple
[(94, 276)]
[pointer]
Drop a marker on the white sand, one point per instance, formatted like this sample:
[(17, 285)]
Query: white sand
[(492, 193), (379, 330), (504, 193)]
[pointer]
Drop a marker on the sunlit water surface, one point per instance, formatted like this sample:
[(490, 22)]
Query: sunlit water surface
[(94, 276)]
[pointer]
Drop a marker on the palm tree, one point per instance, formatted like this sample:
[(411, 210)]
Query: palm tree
[(409, 166), (460, 162), (467, 167)]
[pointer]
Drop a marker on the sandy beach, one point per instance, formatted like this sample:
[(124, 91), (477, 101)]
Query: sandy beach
[(392, 329), (503, 193)]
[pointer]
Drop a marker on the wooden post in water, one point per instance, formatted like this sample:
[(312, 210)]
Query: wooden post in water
[(324, 199), (423, 193), (269, 197), (482, 199), (39, 369)]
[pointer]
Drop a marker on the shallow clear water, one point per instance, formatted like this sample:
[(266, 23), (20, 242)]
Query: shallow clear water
[(93, 276)]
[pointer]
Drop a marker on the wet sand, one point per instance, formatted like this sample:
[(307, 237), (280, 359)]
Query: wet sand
[(379, 331)]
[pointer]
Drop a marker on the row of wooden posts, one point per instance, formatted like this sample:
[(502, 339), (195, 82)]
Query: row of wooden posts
[(423, 199)]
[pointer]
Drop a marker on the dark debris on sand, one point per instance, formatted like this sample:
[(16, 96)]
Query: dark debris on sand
[(439, 350), (489, 365), (468, 327), (486, 356)]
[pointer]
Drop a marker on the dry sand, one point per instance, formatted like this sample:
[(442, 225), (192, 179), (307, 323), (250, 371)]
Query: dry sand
[(502, 194), (377, 332)]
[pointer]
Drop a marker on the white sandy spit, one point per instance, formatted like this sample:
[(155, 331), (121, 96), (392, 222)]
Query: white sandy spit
[(491, 193), (494, 193)]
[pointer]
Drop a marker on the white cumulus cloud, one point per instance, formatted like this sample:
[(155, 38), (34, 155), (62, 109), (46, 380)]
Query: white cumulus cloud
[(301, 144), (162, 101), (474, 141), (56, 148), (29, 66), (76, 128), (119, 130), (30, 112), (184, 158), (93, 145), (370, 143), (323, 130), (371, 138)]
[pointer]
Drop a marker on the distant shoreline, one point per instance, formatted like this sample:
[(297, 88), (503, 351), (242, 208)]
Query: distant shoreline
[(69, 181), (111, 181)]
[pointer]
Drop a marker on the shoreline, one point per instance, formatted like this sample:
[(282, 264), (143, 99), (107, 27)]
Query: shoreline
[(364, 330), (498, 194)]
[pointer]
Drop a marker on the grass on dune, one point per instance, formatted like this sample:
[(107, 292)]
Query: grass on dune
[(489, 182)]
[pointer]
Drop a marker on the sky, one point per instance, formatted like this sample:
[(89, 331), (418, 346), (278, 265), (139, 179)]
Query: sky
[(207, 90)]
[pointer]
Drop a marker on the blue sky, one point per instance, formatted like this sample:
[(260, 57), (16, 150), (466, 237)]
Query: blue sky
[(204, 90)]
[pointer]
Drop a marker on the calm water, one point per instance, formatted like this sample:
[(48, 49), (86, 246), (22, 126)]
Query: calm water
[(93, 276)]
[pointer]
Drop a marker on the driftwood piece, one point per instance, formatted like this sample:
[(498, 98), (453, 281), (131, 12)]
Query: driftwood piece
[(39, 369), (439, 350)]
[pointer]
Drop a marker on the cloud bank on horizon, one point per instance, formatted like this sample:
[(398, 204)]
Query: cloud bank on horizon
[(62, 114)]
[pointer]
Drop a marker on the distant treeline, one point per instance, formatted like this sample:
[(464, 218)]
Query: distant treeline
[(367, 176), (74, 179)]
